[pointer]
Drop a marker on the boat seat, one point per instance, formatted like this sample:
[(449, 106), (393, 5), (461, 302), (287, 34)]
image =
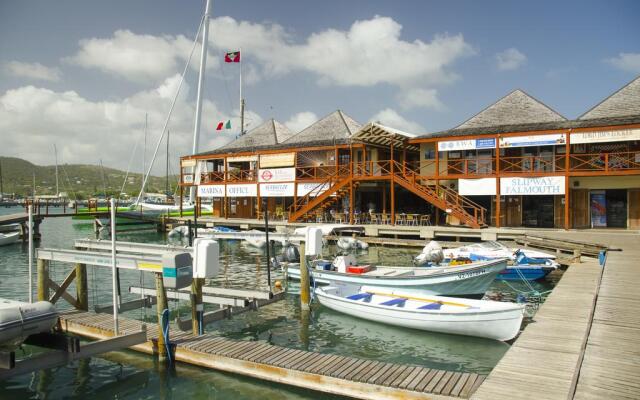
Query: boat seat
[(431, 306), (395, 302), (361, 296)]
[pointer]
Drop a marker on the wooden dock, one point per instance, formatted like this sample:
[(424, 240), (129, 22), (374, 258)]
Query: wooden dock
[(328, 373), (584, 342)]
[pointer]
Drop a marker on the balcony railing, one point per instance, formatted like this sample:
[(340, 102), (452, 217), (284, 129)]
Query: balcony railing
[(533, 164), (242, 175), (605, 162)]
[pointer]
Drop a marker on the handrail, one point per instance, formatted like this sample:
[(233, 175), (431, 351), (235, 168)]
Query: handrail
[(620, 161)]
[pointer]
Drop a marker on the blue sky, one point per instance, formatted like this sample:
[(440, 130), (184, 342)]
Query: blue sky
[(82, 74)]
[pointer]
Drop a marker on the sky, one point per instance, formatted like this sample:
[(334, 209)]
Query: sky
[(85, 75)]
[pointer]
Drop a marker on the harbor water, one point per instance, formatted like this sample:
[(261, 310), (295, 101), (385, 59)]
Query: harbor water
[(129, 375)]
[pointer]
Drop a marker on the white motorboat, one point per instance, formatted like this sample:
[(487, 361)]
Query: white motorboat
[(470, 280), (18, 320), (493, 249), (9, 238), (481, 318), (351, 243), (162, 208)]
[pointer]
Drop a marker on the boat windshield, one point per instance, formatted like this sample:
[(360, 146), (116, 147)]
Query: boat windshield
[(492, 245)]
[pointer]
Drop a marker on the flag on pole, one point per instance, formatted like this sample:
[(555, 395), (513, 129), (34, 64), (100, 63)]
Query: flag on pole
[(224, 124), (232, 57)]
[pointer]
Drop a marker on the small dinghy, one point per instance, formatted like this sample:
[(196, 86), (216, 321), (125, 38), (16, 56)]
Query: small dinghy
[(492, 249), (481, 318), (468, 280), (351, 243), (9, 238), (18, 320)]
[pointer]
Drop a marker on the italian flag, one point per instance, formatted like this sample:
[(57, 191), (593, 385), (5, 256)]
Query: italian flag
[(224, 125)]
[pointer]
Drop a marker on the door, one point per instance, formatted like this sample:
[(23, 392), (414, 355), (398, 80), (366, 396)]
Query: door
[(579, 205), (537, 211), (513, 210), (558, 215), (634, 208), (616, 208)]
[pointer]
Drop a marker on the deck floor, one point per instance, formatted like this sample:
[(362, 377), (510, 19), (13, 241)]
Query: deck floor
[(567, 354), (330, 373)]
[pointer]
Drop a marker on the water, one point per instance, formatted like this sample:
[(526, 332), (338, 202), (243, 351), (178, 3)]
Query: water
[(128, 375)]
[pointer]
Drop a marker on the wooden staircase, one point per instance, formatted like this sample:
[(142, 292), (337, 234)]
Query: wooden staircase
[(337, 184), (448, 200)]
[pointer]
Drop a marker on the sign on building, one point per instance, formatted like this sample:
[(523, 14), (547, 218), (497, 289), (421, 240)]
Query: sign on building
[(533, 140), (471, 144), (605, 136), (546, 185), (311, 187), (277, 189), (277, 175), (211, 191), (242, 190), (477, 187)]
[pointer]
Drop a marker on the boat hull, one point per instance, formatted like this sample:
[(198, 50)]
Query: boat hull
[(498, 324), (528, 273), (453, 281), (18, 320), (9, 238)]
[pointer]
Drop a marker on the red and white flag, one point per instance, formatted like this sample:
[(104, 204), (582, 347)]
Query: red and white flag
[(232, 57)]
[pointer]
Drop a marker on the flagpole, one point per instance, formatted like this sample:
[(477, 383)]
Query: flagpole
[(241, 99)]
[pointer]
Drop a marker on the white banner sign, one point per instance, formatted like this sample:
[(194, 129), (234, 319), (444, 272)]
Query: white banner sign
[(534, 140), (471, 144), (605, 136), (477, 187), (187, 178), (314, 188), (277, 175), (548, 185), (277, 189), (242, 190), (211, 191)]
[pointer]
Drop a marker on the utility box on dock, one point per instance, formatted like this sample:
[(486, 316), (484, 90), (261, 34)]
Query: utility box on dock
[(313, 239), (177, 270), (206, 258)]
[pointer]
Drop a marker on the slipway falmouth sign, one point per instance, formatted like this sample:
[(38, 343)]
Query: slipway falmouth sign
[(547, 185)]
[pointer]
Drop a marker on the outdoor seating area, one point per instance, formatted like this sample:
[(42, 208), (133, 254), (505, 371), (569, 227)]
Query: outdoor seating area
[(359, 218)]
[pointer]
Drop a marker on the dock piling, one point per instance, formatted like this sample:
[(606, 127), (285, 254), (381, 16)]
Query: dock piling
[(43, 278), (161, 306), (304, 279), (82, 294), (197, 307)]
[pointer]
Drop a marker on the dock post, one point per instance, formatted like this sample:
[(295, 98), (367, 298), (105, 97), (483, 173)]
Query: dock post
[(161, 306), (43, 278), (197, 308), (82, 296), (304, 280)]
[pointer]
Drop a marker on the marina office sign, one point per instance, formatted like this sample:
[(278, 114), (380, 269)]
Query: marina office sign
[(547, 185), (242, 190)]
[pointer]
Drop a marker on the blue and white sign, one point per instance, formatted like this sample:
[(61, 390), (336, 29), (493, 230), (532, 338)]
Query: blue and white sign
[(211, 191), (311, 187), (242, 190), (547, 185), (534, 140), (471, 144)]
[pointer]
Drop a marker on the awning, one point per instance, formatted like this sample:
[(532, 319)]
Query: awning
[(242, 159), (375, 133), (277, 160)]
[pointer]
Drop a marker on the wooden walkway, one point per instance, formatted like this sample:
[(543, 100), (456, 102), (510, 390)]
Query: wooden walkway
[(584, 342), (327, 373)]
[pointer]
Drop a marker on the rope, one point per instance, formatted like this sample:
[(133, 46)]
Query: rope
[(165, 333)]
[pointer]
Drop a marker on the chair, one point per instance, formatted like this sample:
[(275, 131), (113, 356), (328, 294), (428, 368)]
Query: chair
[(384, 218), (319, 216), (425, 220), (401, 219), (410, 220)]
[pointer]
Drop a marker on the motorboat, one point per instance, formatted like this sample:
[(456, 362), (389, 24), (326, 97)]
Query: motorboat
[(183, 230), (493, 249), (18, 320), (7, 238), (351, 243), (470, 280), (481, 318)]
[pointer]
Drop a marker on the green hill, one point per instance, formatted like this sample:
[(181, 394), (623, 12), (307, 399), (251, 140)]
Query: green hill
[(82, 180)]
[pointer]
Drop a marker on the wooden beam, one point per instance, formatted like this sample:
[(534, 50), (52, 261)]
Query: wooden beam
[(62, 288)]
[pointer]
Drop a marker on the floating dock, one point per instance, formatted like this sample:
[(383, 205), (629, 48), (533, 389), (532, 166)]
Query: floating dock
[(584, 342), (328, 373)]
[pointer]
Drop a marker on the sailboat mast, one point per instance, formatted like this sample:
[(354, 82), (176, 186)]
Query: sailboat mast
[(203, 66), (241, 99), (104, 185), (1, 183), (166, 184), (144, 154), (55, 151), (34, 186)]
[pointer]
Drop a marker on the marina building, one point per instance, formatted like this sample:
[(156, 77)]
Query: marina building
[(517, 163)]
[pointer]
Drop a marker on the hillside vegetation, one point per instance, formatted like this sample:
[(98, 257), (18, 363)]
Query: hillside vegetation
[(77, 180)]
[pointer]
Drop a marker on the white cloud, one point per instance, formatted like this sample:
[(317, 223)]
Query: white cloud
[(86, 131), (420, 98), (510, 59), (35, 71), (301, 120), (392, 119), (369, 53), (626, 61)]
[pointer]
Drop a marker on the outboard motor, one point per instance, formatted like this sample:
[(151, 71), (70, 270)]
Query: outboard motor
[(431, 253), (290, 253)]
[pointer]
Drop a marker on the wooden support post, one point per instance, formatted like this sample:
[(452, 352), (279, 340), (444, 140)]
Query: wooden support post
[(304, 279), (351, 201), (197, 308), (43, 279), (567, 166), (82, 295), (161, 306), (393, 195), (497, 173)]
